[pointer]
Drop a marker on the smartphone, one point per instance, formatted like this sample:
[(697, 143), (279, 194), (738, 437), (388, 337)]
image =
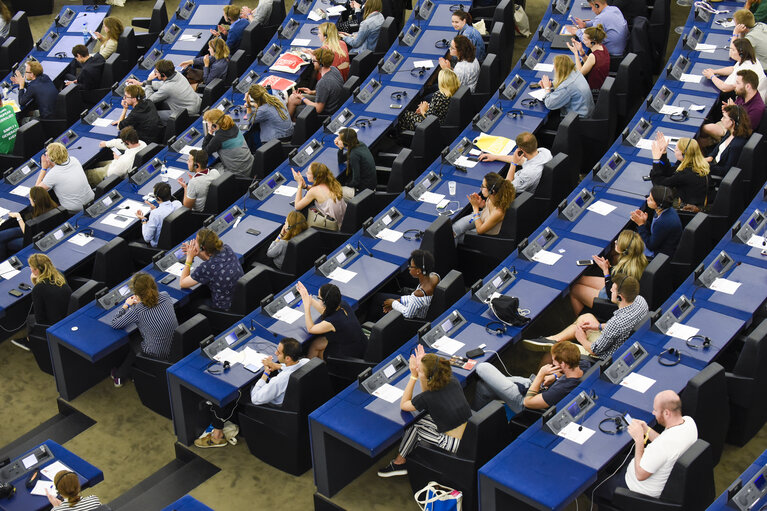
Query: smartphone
[(584, 262), (167, 279), (646, 178), (395, 105), (253, 232), (627, 418), (15, 292), (252, 368), (535, 85)]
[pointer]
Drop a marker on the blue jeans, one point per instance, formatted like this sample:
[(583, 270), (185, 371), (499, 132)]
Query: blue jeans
[(494, 385), (11, 241), (461, 227)]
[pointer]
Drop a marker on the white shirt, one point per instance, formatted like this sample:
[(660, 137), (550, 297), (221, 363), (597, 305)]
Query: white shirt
[(660, 456), (274, 391), (198, 186), (528, 175), (70, 184), (756, 67), (122, 165)]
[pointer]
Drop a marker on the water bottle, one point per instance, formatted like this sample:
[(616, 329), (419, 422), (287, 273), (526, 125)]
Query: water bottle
[(86, 33), (164, 173)]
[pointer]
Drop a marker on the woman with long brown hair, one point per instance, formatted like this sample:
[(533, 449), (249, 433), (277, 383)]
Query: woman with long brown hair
[(5, 20), (224, 137), (153, 313), (366, 37), (214, 65), (111, 30), (295, 224), (67, 484), (325, 196), (12, 240), (360, 171), (497, 194)]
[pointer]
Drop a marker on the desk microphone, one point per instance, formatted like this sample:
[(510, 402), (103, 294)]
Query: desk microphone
[(603, 187), (360, 246), (254, 322), (699, 285)]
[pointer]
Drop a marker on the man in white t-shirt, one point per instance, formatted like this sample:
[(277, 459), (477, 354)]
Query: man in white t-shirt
[(648, 470), (65, 176), (196, 190)]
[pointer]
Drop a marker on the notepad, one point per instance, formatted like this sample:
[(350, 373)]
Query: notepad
[(725, 286), (22, 191), (388, 393), (288, 315), (286, 190), (187, 148), (576, 433), (546, 68), (638, 382), (708, 48), (689, 78), (314, 16), (7, 271), (546, 257), (80, 239), (116, 220), (335, 10), (601, 208), (188, 38), (102, 122), (342, 275), (389, 235), (41, 488), (671, 110), (539, 94), (447, 345), (175, 269), (251, 357), (54, 468), (681, 331), (301, 42), (175, 173), (756, 241), (229, 355), (431, 197), (428, 64), (645, 143)]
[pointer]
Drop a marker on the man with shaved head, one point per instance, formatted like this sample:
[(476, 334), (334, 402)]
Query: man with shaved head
[(648, 471)]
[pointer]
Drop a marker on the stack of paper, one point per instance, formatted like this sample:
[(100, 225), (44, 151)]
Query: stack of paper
[(342, 275), (447, 345), (431, 198), (288, 315), (389, 235)]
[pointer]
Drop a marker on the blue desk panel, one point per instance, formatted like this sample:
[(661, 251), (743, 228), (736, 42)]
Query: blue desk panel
[(201, 35), (402, 247), (426, 42), (64, 47), (207, 15), (242, 242), (720, 504), (92, 20), (565, 270), (187, 503), (380, 103)]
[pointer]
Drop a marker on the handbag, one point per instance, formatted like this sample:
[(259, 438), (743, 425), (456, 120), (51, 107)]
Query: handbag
[(506, 309), (320, 220), (436, 497)]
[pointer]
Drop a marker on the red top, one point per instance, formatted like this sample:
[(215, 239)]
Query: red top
[(599, 70), (342, 62)]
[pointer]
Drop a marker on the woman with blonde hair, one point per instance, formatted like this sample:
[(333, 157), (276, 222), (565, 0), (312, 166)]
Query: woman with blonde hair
[(67, 484), (111, 30), (631, 263), (5, 20), (224, 137), (271, 114), (596, 65), (688, 177), (446, 407), (570, 91), (448, 84), (295, 224), (497, 194), (326, 197), (12, 240), (214, 65), (153, 313), (328, 35), (366, 37)]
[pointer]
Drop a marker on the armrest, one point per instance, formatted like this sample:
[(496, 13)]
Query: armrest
[(141, 253), (273, 417), (489, 245), (739, 390), (406, 137), (603, 309), (347, 368), (628, 500), (141, 22)]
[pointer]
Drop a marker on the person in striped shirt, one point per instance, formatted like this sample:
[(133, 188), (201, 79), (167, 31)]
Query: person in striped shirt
[(152, 312), (416, 304), (68, 486)]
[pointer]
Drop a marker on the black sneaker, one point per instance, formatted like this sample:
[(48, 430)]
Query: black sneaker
[(392, 470), (539, 344), (22, 343)]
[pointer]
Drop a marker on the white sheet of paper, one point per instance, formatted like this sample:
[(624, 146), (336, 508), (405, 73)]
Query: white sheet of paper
[(388, 393), (188, 37), (546, 257), (286, 190), (301, 42), (314, 16), (186, 149), (288, 315), (4, 212), (335, 10), (705, 47), (428, 64), (463, 161), (601, 207), (175, 269), (41, 487), (252, 357), (102, 122), (342, 275), (681, 331), (130, 206), (671, 110), (80, 239), (117, 220), (638, 382), (697, 108), (727, 24), (431, 197), (538, 94), (21, 190), (546, 68), (54, 468), (229, 355), (389, 235), (725, 286), (173, 172), (690, 78), (7, 271), (570, 432), (389, 371), (645, 143), (447, 345), (756, 241)]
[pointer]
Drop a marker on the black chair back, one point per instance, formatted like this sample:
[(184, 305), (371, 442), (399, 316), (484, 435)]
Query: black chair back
[(212, 92), (44, 223), (307, 124), (177, 227), (176, 123), (556, 182), (105, 185), (358, 209), (753, 174), (19, 28), (488, 81), (691, 482), (188, 335), (387, 34), (250, 289), (427, 142), (568, 140), (705, 400), (238, 63), (403, 171), (694, 244), (439, 240), (126, 47), (448, 291), (83, 295), (729, 202), (660, 24), (459, 112), (655, 284), (223, 192), (629, 90), (308, 388), (388, 333), (747, 388), (639, 43), (363, 64), (112, 263), (267, 158), (302, 251)]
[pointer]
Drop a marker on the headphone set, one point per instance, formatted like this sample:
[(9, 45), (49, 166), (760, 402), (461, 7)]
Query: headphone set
[(456, 7), (364, 123), (704, 344), (445, 210), (60, 55), (619, 425), (442, 44), (516, 113), (492, 189), (663, 357), (496, 327), (529, 102), (418, 71), (620, 288), (218, 367), (398, 95), (315, 30), (413, 234), (627, 250)]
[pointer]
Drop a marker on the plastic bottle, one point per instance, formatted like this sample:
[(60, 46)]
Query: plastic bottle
[(86, 33)]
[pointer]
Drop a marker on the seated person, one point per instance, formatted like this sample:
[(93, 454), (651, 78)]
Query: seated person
[(689, 177), (214, 65), (271, 114), (5, 21), (9, 126), (649, 469), (488, 210), (196, 190), (125, 149), (467, 66), (612, 21), (726, 153), (631, 261), (742, 52), (165, 85), (758, 9), (329, 92), (260, 14), (220, 268), (65, 176), (448, 85), (597, 340), (596, 65), (441, 397), (756, 32), (360, 173), (143, 115), (338, 332), (91, 68), (36, 90), (551, 384), (325, 198), (12, 240), (151, 226), (225, 138), (328, 35), (267, 390), (663, 234), (67, 485), (747, 96), (415, 304), (153, 313), (111, 30), (570, 91), (295, 224), (366, 37), (461, 22), (236, 21), (525, 162)]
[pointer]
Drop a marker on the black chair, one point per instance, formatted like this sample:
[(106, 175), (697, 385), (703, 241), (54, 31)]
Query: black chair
[(568, 140), (153, 26), (459, 113), (640, 44), (448, 291), (488, 81), (690, 486), (438, 239), (126, 47), (629, 92), (248, 292), (754, 174), (112, 264), (498, 45), (728, 204), (83, 295), (44, 223), (705, 400), (300, 254), (10, 53), (149, 374), (238, 64), (401, 172), (279, 435), (557, 181), (67, 110), (27, 143), (694, 244), (222, 193), (387, 35), (146, 154), (19, 28), (105, 185), (307, 124), (108, 77), (267, 158), (358, 209), (599, 129), (485, 435), (351, 84), (176, 227), (212, 92), (363, 64), (425, 146), (177, 122), (660, 25), (747, 388)]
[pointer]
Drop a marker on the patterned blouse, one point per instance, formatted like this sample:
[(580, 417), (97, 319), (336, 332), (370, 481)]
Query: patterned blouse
[(438, 107), (221, 273)]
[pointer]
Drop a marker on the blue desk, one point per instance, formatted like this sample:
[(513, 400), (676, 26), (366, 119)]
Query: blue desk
[(206, 15), (201, 36), (92, 21), (187, 503), (720, 504), (64, 46), (426, 42)]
